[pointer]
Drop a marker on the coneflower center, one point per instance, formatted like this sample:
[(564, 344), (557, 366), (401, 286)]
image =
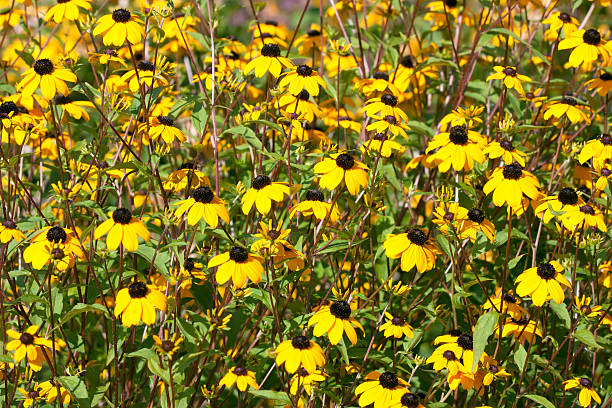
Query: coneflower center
[(388, 100), (407, 61), (606, 76), (145, 66), (458, 135), (390, 119), (585, 382), (568, 196), (546, 271), (417, 237), (506, 145), (341, 309), (121, 16), (410, 400), (380, 137), (26, 338), (466, 341), (56, 235), (300, 342), (605, 139), (189, 265), (509, 298), (606, 172), (304, 95), (110, 52), (165, 120), (270, 50), (451, 3), (568, 100), (240, 371), (476, 215), (313, 33), (449, 355), (57, 253), (203, 195), (512, 171), (8, 107), (10, 224), (238, 254), (62, 99), (397, 321), (260, 182), (381, 75), (122, 216), (345, 161), (314, 195), (137, 290), (189, 166), (33, 394), (564, 17), (510, 71), (591, 37), (43, 66), (303, 70), (388, 380), (587, 209)]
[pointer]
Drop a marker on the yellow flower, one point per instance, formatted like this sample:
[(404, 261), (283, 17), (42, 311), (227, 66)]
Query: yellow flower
[(164, 127), (304, 379), (122, 228), (302, 77), (342, 167), (269, 60), (119, 27), (384, 124), (186, 176), (203, 203), (542, 281), (512, 79), (507, 303), (520, 328), (407, 399), (396, 327), (28, 344), (335, 320), (53, 244), (568, 107), (587, 46), (599, 149), (557, 21), (262, 192), (237, 264), (384, 106), (240, 376), (506, 151), (73, 107), (299, 352), (381, 144), (442, 359), (147, 75), (30, 397), (414, 248), (603, 84), (9, 231), (66, 10), (49, 75), (49, 390), (462, 347), (509, 184), (167, 345), (459, 147), (380, 389), (314, 205), (137, 303), (587, 393), (586, 215)]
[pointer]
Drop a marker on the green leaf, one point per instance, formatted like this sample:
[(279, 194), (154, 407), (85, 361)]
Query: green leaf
[(561, 312), (77, 388), (586, 337), (540, 400), (520, 356), (270, 395), (83, 308), (247, 133), (484, 328), (343, 351)]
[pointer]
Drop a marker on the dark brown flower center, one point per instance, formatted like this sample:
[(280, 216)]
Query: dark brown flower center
[(240, 371), (407, 61), (466, 341), (388, 100), (493, 369), (260, 182), (509, 298), (303, 95), (26, 339), (345, 161), (300, 342), (606, 172), (166, 120), (60, 99), (568, 100), (410, 400), (203, 195), (122, 216), (138, 290), (145, 66), (564, 17), (270, 50), (10, 224), (313, 33), (585, 382), (189, 265), (189, 166), (340, 309), (57, 253), (303, 70), (506, 145), (417, 237), (121, 16), (167, 345), (6, 108), (314, 195), (510, 71), (546, 271), (606, 76), (380, 137), (397, 321), (239, 254), (591, 37), (458, 135), (587, 209), (390, 119), (568, 196), (476, 215), (450, 3), (110, 52), (388, 380), (381, 75), (605, 139), (56, 235), (449, 355), (43, 66), (33, 394), (512, 171)]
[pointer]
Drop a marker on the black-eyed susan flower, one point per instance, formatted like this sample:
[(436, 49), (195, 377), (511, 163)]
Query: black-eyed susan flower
[(138, 302), (53, 245), (506, 303), (407, 399), (149, 74), (467, 117), (521, 329), (567, 107), (552, 206), (237, 264), (342, 167), (512, 79), (476, 222), (380, 389), (383, 145), (449, 216), (386, 105), (240, 376), (118, 27), (415, 249), (587, 393), (106, 57), (396, 327), (66, 10), (587, 47), (598, 149), (384, 124), (167, 345), (186, 176), (299, 352), (269, 60), (50, 390), (459, 148), (505, 151), (541, 282), (261, 194), (603, 172), (47, 74), (299, 106), (28, 345), (9, 231), (442, 359), (32, 396), (509, 184), (122, 228), (602, 84), (302, 77), (585, 308), (315, 205), (461, 345), (560, 21), (335, 320), (203, 203), (163, 127), (587, 215), (73, 107)]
